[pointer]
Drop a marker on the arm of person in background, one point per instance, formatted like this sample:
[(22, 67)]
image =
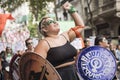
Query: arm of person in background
[(74, 32)]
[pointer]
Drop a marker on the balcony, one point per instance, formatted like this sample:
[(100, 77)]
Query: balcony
[(105, 9)]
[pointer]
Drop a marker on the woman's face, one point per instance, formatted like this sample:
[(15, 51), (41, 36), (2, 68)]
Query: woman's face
[(9, 50), (104, 43), (50, 25), (29, 44)]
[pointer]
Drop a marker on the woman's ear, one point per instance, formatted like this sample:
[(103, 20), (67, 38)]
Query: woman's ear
[(44, 29), (100, 43)]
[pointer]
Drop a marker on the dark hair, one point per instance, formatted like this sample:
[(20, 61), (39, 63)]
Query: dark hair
[(2, 54), (8, 48), (86, 40), (98, 39), (118, 46), (40, 26), (27, 41)]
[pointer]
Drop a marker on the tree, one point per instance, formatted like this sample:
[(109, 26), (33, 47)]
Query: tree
[(36, 6), (9, 5)]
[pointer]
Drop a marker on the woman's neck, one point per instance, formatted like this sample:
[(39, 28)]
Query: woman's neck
[(53, 36)]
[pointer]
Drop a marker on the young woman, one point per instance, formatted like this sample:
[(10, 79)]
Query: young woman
[(56, 48), (29, 45)]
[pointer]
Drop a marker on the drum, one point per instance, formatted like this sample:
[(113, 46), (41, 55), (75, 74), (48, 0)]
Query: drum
[(96, 63), (14, 67), (33, 67)]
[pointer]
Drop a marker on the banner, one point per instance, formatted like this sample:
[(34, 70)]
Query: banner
[(3, 19)]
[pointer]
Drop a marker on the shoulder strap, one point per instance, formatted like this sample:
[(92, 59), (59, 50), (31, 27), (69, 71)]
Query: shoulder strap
[(64, 37), (47, 42)]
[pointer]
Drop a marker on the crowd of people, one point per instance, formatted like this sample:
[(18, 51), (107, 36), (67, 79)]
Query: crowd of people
[(57, 48), (102, 41), (6, 56)]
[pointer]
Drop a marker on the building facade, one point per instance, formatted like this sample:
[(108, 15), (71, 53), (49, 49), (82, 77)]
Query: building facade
[(60, 12), (105, 16), (102, 16), (78, 4)]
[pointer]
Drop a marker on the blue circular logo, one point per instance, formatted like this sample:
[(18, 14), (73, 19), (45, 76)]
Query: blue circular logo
[(96, 63)]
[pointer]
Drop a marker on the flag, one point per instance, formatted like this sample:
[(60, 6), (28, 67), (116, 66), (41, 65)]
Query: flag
[(3, 19)]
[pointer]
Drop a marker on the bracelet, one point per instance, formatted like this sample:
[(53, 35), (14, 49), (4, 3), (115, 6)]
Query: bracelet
[(71, 10)]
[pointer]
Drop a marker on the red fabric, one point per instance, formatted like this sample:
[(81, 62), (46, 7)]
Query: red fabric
[(76, 32), (3, 19), (78, 35)]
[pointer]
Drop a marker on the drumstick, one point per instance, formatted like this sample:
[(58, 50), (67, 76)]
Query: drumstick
[(43, 72)]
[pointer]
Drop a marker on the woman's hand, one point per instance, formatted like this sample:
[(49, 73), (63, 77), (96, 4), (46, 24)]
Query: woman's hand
[(67, 5)]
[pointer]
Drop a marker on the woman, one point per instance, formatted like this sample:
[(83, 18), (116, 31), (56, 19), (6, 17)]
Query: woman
[(29, 45), (101, 40), (56, 48)]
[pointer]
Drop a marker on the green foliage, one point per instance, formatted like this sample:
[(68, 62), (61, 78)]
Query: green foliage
[(10, 5), (33, 30), (36, 6), (32, 27)]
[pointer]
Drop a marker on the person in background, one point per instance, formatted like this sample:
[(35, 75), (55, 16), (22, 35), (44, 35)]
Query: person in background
[(1, 71), (87, 43), (56, 48), (29, 45), (9, 54), (101, 41), (118, 52), (113, 48), (117, 55), (0, 63), (4, 61)]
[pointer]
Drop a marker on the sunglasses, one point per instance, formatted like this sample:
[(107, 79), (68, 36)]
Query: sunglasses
[(105, 40), (29, 43), (47, 23)]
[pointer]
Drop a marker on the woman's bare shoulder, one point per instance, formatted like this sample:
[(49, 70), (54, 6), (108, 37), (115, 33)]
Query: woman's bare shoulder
[(69, 34), (42, 48), (43, 42)]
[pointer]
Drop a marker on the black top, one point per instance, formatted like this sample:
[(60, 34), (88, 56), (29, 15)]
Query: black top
[(61, 54)]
